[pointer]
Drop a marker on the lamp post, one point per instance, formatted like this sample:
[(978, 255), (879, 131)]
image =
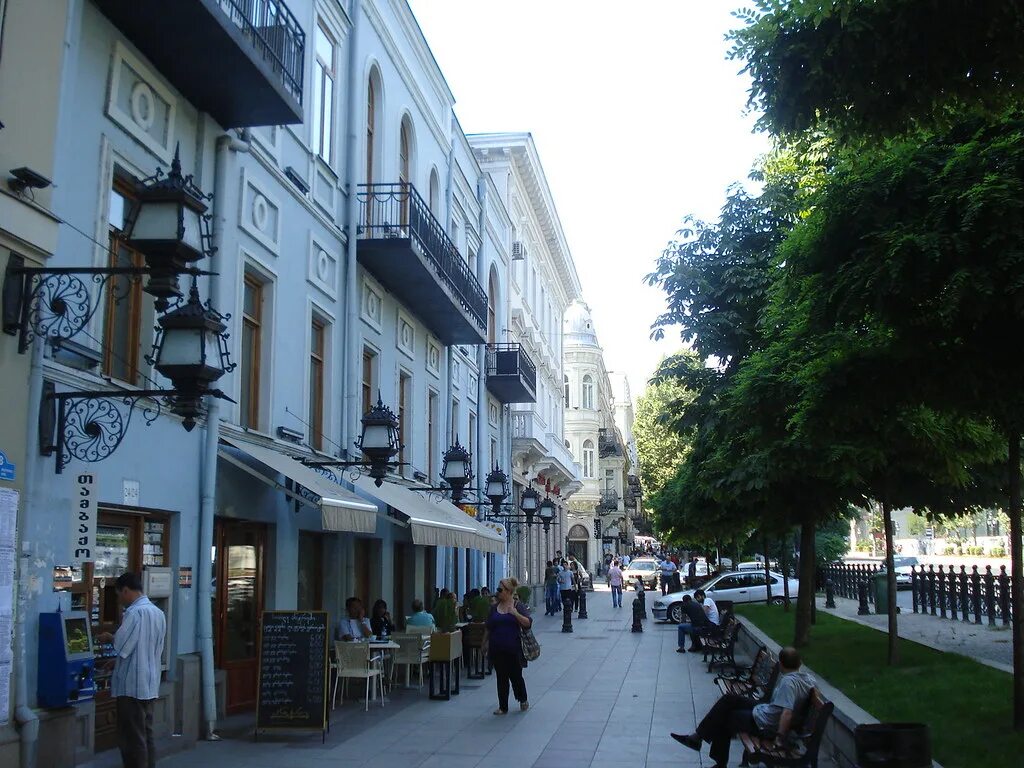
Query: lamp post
[(457, 470), (379, 441)]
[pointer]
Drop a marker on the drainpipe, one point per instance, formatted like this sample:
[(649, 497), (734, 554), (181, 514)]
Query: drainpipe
[(350, 357), (207, 508), (481, 351)]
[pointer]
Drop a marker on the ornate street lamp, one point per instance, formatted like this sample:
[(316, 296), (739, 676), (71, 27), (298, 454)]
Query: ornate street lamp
[(546, 512), (191, 350), (497, 488), (457, 470), (169, 226), (379, 441), (529, 501)]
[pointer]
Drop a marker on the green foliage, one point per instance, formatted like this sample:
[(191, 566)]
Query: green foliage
[(997, 552), (831, 540), (916, 524), (445, 616), (479, 608), (881, 67), (661, 446), (929, 687), (523, 593)]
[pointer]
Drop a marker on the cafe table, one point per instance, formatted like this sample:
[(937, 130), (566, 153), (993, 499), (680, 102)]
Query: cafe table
[(386, 647)]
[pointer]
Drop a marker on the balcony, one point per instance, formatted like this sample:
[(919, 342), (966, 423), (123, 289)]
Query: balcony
[(609, 502), (609, 444), (239, 60), (407, 250), (511, 374)]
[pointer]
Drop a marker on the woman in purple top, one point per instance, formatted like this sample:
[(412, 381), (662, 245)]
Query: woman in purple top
[(504, 630)]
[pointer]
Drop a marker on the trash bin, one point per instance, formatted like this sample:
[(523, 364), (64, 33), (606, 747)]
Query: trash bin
[(879, 584), (893, 745)]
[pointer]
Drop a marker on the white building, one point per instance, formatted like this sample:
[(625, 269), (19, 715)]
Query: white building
[(598, 522), (542, 282)]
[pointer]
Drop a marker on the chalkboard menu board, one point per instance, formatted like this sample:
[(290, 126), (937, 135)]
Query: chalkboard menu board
[(293, 670)]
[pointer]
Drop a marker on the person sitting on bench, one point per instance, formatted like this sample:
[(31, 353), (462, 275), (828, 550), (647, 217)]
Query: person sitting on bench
[(694, 622), (733, 714)]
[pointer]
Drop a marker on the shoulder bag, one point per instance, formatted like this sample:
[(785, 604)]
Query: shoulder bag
[(531, 648)]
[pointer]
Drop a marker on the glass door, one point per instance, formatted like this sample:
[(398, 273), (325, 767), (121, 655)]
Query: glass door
[(238, 565)]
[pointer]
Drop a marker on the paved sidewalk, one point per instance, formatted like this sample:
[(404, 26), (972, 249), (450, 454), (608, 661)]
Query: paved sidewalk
[(600, 696), (985, 644)]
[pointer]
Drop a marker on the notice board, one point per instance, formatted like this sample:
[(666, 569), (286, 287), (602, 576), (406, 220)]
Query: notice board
[(293, 670)]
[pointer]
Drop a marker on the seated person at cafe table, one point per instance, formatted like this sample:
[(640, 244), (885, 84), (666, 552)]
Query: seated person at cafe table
[(419, 617), (380, 620), (355, 626)]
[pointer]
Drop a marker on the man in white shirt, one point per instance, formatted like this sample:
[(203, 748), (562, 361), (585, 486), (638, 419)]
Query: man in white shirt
[(356, 625), (626, 560), (667, 569), (710, 609), (135, 684)]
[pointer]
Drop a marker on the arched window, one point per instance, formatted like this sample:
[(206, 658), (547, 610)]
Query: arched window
[(492, 310), (588, 392), (588, 458), (565, 384), (404, 170), (578, 533), (372, 117), (434, 193)]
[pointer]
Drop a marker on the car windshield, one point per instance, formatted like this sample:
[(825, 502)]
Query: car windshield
[(641, 566), (902, 561)]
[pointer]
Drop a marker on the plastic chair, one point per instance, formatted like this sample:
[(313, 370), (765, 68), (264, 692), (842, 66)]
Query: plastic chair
[(414, 651), (356, 661)]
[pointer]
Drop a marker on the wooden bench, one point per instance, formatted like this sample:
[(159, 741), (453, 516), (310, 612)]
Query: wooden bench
[(801, 751), (719, 648), (756, 681)]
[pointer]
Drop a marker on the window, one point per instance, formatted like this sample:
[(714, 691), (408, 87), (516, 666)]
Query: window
[(323, 94), (404, 414), (565, 385), (122, 330), (588, 392), (588, 458), (455, 419), (371, 128), (251, 353), (471, 438), (432, 424), (403, 169), (609, 480), (494, 452), (492, 312), (434, 193), (316, 384), (369, 378)]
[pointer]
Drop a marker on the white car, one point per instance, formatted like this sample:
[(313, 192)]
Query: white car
[(644, 568), (736, 586), (750, 565), (903, 567)]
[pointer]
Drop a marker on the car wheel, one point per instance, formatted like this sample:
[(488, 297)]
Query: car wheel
[(778, 601), (675, 613)]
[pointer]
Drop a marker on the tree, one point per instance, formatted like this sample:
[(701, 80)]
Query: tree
[(660, 446), (884, 67)]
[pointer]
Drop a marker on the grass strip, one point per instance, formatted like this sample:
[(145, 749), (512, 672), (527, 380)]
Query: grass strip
[(967, 705)]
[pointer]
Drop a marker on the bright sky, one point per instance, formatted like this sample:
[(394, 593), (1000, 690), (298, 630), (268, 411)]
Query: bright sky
[(638, 118)]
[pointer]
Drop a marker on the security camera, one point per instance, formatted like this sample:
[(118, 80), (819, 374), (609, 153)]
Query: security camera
[(25, 178)]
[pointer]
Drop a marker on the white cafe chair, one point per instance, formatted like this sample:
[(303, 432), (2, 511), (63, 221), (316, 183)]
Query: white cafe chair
[(355, 660), (413, 651)]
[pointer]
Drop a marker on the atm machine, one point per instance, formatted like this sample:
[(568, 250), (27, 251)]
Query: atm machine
[(66, 659), (157, 586)]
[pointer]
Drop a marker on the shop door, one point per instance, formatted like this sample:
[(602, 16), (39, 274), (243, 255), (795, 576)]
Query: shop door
[(238, 566)]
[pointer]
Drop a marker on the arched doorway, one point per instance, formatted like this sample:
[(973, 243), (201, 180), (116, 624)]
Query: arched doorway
[(579, 538)]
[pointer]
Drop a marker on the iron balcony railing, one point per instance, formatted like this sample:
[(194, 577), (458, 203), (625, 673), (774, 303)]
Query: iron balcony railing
[(511, 360), (276, 35), (388, 211)]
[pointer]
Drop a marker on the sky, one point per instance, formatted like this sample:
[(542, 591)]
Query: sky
[(638, 117)]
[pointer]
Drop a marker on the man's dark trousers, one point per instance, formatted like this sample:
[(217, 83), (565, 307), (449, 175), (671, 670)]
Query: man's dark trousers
[(135, 732), (730, 715)]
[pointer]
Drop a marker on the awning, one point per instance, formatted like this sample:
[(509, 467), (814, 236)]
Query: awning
[(434, 522), (341, 510)]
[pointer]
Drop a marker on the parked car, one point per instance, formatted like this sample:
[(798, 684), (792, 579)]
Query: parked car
[(903, 566), (645, 568), (750, 565), (736, 586)]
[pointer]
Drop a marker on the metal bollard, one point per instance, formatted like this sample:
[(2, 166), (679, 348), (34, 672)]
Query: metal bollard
[(862, 596), (830, 597), (583, 605), (638, 613), (567, 614)]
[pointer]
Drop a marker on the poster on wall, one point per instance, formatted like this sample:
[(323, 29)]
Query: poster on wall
[(83, 519), (9, 499)]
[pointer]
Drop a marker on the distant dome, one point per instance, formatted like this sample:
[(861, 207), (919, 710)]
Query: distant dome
[(577, 324)]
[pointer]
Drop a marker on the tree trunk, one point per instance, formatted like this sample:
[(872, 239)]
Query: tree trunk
[(890, 585), (767, 567), (805, 596), (1016, 579), (784, 569)]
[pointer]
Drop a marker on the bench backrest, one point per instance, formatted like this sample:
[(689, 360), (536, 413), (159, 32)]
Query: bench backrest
[(818, 711)]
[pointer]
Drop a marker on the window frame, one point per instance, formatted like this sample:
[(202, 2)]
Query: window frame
[(317, 380), (123, 185), (370, 357), (588, 453), (251, 420), (405, 382), (324, 134), (587, 392)]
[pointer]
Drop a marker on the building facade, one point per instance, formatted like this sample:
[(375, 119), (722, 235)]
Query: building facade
[(364, 248), (597, 517)]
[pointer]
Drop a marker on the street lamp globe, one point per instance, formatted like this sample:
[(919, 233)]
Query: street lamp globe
[(546, 512), (191, 350), (529, 501), (379, 441), (497, 487), (456, 470), (169, 226)]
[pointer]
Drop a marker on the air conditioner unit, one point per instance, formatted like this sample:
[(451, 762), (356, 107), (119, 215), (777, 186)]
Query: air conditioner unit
[(518, 250)]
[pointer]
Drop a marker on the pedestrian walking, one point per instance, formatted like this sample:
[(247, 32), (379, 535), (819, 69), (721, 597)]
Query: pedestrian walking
[(135, 684), (615, 582), (505, 627), (551, 589), (565, 583), (667, 569)]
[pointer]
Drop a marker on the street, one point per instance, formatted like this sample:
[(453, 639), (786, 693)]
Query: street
[(600, 696)]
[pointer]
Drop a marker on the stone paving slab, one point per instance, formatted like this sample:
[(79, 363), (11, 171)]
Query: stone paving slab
[(600, 696)]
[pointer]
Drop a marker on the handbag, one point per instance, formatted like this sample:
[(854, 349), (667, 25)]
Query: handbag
[(530, 646)]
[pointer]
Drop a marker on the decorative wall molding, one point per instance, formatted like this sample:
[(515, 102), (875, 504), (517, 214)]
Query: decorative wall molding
[(323, 266), (140, 104), (259, 213)]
